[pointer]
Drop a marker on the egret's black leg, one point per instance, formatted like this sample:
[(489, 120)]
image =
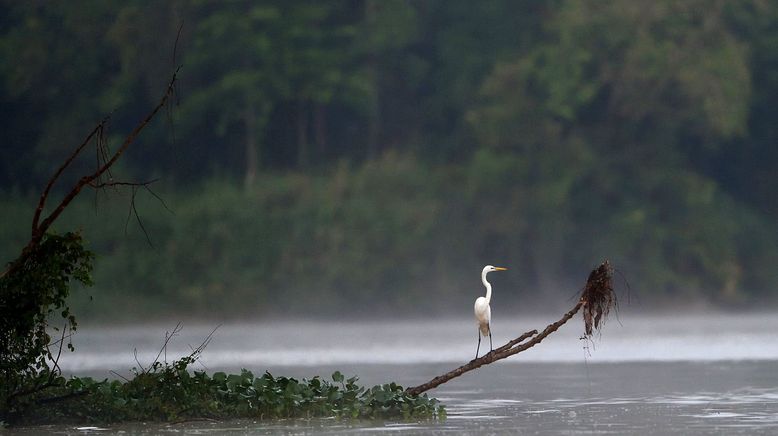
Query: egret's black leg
[(490, 341), (479, 345)]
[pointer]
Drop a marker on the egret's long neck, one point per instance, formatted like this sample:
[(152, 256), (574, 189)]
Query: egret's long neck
[(488, 286)]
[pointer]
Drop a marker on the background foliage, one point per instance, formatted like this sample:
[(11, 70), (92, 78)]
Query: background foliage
[(329, 156)]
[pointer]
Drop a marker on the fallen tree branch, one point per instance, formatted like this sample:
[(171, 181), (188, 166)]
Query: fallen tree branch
[(597, 298)]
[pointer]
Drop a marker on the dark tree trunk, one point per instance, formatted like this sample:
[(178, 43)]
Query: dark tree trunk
[(374, 114), (320, 128), (252, 155), (303, 151)]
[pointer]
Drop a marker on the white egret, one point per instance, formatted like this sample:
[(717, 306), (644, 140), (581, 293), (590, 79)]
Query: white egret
[(483, 313)]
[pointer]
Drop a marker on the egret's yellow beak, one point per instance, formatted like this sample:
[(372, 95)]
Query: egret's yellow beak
[(498, 268)]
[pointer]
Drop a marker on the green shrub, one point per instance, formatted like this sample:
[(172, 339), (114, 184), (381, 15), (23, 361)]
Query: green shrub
[(169, 392), (31, 295)]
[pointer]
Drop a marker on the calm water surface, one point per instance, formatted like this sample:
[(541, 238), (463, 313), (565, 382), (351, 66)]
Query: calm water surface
[(706, 374)]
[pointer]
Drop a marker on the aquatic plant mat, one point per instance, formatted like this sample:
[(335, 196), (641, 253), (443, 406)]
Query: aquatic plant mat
[(597, 299), (173, 394), (170, 392)]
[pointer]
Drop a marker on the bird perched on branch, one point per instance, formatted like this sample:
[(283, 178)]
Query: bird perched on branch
[(483, 313)]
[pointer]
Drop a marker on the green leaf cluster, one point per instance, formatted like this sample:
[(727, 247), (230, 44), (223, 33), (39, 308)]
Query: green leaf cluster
[(169, 392), (32, 295)]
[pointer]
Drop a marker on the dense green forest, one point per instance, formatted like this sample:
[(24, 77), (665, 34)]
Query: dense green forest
[(354, 157)]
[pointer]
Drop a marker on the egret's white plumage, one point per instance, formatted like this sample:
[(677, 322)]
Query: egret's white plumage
[(483, 312)]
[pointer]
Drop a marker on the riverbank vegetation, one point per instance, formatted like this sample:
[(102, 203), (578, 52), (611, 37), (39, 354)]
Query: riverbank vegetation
[(395, 146), (398, 230), (172, 392)]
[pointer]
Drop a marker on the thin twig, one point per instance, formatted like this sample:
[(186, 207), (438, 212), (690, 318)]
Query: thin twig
[(158, 198), (119, 375), (137, 217), (175, 44), (197, 352), (56, 368), (68, 336), (44, 196), (177, 329), (110, 184), (133, 209), (140, 366), (521, 338), (200, 348)]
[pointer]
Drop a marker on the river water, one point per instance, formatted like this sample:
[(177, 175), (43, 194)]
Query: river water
[(670, 374)]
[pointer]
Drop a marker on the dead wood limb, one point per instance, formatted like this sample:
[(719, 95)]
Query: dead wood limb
[(40, 226), (114, 184), (86, 180), (98, 131), (596, 299)]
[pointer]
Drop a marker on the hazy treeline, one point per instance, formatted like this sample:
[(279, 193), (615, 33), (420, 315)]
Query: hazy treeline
[(332, 155)]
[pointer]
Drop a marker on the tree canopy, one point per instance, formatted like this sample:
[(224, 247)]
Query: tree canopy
[(316, 138)]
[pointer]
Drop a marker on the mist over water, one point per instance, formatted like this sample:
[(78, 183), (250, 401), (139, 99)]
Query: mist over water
[(646, 374), (305, 343)]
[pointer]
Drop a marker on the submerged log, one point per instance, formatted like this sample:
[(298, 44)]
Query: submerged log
[(597, 299)]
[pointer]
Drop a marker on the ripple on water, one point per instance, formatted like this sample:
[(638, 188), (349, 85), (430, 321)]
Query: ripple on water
[(717, 415), (397, 427), (495, 402), (687, 399), (541, 411)]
